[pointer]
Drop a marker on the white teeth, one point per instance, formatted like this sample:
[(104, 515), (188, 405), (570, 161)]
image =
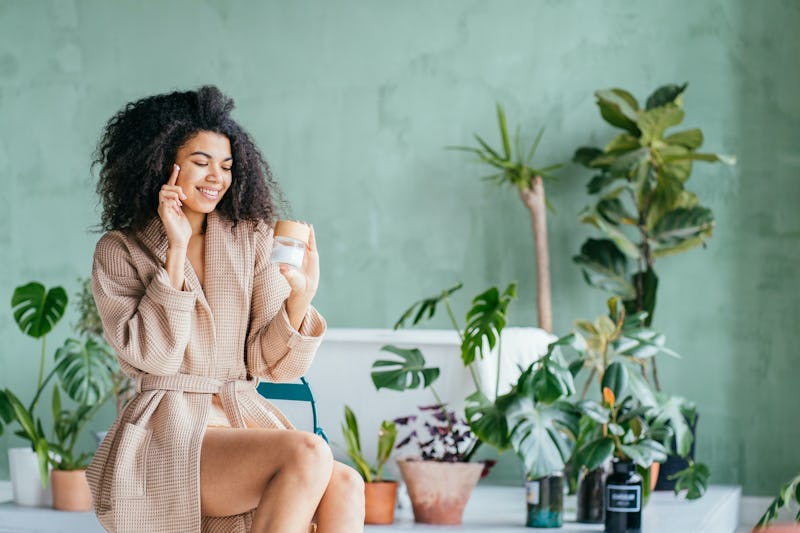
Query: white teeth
[(213, 193)]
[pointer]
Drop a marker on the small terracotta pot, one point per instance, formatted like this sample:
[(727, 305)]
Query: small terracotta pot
[(439, 491), (71, 490), (380, 498)]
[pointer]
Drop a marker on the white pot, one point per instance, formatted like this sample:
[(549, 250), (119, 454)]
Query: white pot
[(26, 482)]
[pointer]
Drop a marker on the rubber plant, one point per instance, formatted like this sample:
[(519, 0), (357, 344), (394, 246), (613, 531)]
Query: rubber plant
[(643, 208), (513, 166), (613, 350)]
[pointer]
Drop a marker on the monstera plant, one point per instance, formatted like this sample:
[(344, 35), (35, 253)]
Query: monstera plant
[(643, 209), (84, 369)]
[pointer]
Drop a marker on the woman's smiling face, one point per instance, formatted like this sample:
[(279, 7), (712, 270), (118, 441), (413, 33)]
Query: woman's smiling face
[(205, 175)]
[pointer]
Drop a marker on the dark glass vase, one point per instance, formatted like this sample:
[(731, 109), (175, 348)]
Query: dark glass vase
[(623, 499), (591, 504), (545, 498)]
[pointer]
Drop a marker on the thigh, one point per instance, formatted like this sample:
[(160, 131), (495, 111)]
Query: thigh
[(236, 465)]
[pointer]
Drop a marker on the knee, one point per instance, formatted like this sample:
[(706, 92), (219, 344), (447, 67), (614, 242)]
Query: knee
[(313, 455), (348, 483)]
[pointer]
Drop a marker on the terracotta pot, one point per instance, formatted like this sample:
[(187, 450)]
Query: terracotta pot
[(380, 498), (71, 490), (439, 491), (655, 468)]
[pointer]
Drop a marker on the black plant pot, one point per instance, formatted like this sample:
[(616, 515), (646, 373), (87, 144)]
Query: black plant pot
[(591, 505), (675, 463)]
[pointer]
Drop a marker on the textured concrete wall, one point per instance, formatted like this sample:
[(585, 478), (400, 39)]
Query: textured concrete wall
[(353, 104)]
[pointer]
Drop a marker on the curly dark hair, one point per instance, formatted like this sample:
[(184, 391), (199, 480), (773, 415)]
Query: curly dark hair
[(139, 146)]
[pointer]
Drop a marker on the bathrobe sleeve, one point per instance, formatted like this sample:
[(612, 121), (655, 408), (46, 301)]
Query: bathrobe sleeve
[(275, 350), (147, 322)]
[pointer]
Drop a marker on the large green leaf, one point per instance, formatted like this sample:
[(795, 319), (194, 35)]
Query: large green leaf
[(691, 138), (627, 165), (645, 452), (551, 382), (386, 438), (487, 419), (86, 370), (618, 107), (623, 142), (670, 411), (654, 122), (485, 321), (590, 216), (605, 267), (616, 379), (409, 373), (709, 158), (37, 310), (595, 453), (681, 229), (542, 435), (666, 94), (353, 441), (426, 306)]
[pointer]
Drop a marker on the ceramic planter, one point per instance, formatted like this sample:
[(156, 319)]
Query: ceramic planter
[(26, 483), (71, 490), (380, 498), (545, 497), (439, 491)]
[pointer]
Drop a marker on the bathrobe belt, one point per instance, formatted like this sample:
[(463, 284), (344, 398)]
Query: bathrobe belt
[(228, 390)]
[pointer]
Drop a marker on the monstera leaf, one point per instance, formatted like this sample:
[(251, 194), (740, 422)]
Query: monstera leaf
[(36, 309), (86, 370), (487, 419), (406, 374), (542, 435), (485, 321)]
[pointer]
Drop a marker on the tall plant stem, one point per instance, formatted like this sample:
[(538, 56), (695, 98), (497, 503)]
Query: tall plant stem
[(41, 363), (534, 199)]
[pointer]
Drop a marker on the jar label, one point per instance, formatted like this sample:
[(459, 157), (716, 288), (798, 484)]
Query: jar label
[(532, 492), (624, 498)]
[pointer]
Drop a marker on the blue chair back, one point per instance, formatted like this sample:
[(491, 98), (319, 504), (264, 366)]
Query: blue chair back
[(297, 392)]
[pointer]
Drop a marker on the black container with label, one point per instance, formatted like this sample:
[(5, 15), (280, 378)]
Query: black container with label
[(624, 499)]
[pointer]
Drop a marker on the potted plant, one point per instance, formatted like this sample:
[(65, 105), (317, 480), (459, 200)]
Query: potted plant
[(643, 207), (788, 493), (513, 167), (84, 370), (37, 311), (440, 478), (380, 495), (543, 428), (614, 349)]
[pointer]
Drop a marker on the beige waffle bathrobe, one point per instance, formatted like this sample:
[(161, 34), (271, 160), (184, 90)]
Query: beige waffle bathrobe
[(182, 347)]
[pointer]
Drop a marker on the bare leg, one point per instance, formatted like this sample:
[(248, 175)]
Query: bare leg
[(342, 507), (282, 474)]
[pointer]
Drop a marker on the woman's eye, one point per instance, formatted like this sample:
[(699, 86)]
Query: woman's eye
[(199, 164), (226, 169)]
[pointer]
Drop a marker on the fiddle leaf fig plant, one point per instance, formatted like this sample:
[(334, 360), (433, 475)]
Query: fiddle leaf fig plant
[(643, 209)]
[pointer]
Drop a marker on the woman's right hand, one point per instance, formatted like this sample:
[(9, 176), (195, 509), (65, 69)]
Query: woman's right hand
[(177, 226)]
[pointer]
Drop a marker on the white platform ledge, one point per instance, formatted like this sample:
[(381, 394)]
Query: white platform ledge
[(491, 509)]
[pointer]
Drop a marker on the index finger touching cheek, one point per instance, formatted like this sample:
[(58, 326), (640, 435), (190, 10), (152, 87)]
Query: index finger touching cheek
[(173, 178)]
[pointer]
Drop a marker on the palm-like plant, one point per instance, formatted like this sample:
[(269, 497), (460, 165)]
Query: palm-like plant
[(643, 208), (514, 167), (386, 437)]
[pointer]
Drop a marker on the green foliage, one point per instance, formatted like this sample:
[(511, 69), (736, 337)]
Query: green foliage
[(386, 438), (426, 306), (485, 322), (512, 164), (408, 373), (693, 479), (36, 309), (643, 208), (86, 370), (789, 492)]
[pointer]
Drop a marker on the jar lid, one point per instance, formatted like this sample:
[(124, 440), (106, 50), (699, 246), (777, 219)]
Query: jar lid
[(295, 230), (623, 466)]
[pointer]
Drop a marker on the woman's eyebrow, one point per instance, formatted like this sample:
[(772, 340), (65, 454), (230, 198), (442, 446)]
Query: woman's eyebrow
[(209, 155)]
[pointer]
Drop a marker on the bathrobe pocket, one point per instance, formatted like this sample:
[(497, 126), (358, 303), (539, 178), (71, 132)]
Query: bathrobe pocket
[(130, 472)]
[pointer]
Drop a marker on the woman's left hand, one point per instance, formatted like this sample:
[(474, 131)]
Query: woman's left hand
[(303, 282)]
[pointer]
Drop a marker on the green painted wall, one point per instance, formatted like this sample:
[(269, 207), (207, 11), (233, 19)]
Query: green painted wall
[(353, 104)]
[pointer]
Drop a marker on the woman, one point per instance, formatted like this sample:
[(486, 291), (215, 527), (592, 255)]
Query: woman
[(196, 313)]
